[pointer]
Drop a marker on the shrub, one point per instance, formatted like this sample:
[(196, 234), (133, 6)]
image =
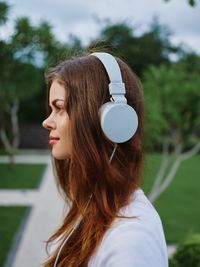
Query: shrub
[(187, 253)]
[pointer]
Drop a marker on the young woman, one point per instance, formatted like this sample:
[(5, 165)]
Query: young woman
[(96, 133)]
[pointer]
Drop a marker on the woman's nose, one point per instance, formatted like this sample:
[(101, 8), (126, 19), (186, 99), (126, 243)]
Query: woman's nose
[(48, 124)]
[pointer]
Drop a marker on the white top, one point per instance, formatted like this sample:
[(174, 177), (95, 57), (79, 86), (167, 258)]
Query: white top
[(135, 242)]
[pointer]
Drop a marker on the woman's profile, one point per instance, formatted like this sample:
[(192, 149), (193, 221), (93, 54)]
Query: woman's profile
[(96, 136)]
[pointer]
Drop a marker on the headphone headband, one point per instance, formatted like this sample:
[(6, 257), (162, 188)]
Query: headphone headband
[(110, 65), (116, 86)]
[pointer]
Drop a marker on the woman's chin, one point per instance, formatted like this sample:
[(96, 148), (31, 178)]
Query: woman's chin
[(59, 156)]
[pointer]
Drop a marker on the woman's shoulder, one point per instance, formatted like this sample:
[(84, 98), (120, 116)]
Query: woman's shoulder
[(141, 217), (134, 241), (140, 208)]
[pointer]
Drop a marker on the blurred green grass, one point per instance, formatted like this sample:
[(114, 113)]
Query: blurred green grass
[(10, 220), (178, 206), (21, 176), (3, 152)]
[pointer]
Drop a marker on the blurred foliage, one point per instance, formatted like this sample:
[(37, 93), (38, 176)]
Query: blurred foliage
[(3, 12), (24, 57), (172, 98), (152, 47), (190, 2), (187, 253)]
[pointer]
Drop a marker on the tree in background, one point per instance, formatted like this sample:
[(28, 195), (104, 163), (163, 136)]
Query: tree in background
[(173, 116), (190, 2), (151, 47), (18, 82), (23, 59)]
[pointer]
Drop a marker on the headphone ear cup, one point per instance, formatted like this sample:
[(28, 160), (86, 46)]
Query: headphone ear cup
[(119, 122)]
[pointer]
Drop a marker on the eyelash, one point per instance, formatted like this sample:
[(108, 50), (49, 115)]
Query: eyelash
[(57, 109)]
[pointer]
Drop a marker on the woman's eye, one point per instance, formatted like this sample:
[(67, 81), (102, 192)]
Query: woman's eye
[(59, 109)]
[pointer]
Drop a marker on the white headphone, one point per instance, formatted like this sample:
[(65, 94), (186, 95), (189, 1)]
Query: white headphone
[(119, 121)]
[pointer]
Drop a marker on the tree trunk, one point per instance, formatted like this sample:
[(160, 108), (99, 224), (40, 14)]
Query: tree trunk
[(7, 145), (166, 181), (163, 166), (11, 145), (5, 140), (15, 124)]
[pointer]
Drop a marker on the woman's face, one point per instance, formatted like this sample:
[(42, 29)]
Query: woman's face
[(58, 122)]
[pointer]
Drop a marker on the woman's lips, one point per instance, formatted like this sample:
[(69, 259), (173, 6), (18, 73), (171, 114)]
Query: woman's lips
[(53, 140)]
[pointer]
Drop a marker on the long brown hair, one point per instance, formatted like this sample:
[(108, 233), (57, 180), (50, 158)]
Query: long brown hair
[(87, 171)]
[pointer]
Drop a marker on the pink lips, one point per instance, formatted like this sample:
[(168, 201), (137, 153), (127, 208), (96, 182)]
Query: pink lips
[(53, 140)]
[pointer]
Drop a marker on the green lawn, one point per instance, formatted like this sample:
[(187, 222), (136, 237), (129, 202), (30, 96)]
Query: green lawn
[(10, 219), (20, 176), (178, 206), (3, 152)]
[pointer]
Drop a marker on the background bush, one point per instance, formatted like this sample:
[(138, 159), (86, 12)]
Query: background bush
[(188, 253)]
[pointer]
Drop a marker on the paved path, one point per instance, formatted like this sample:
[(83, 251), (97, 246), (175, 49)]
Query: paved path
[(45, 215), (27, 159)]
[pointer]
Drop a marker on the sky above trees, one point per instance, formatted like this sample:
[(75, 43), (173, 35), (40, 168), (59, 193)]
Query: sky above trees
[(86, 18)]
